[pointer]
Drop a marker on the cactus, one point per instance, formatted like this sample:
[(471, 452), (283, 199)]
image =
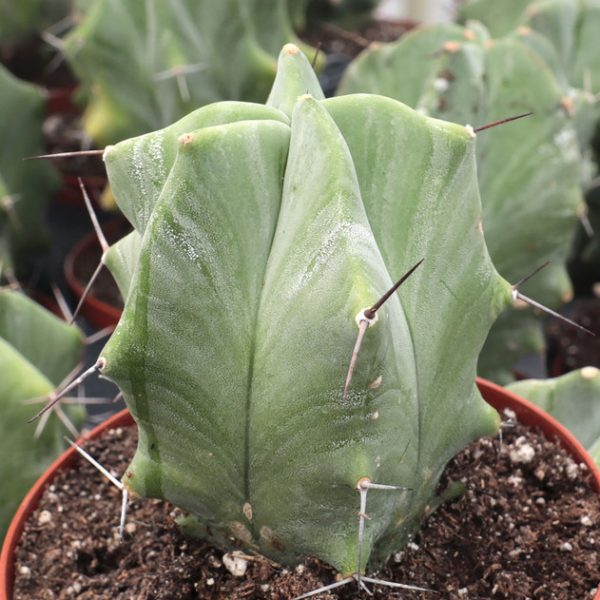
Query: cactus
[(24, 186), (564, 33), (148, 63), (529, 174), (261, 232), (500, 18), (573, 399), (571, 27), (29, 370)]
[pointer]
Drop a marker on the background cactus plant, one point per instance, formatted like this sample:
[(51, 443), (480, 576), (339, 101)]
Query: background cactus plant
[(573, 399), (571, 27), (18, 20), (529, 173), (25, 186), (260, 233), (29, 370), (148, 63), (563, 33)]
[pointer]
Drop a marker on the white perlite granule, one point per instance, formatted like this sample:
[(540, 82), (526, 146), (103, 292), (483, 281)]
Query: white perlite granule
[(523, 452)]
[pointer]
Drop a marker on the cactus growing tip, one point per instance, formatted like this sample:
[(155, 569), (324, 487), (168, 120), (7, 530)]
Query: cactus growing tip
[(290, 49)]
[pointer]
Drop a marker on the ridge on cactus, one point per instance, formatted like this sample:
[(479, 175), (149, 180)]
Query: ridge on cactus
[(529, 171), (28, 370), (146, 63), (261, 232)]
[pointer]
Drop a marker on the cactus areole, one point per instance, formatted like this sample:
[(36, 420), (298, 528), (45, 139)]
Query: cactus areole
[(261, 232)]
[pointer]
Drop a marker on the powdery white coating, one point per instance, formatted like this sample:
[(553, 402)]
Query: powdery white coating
[(147, 167), (355, 237)]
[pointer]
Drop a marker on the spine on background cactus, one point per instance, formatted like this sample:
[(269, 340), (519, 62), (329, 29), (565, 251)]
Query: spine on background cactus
[(529, 172), (29, 370), (147, 63), (261, 232), (25, 186), (573, 399)]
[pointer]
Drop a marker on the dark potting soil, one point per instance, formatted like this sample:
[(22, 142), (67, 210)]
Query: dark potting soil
[(570, 348), (527, 527)]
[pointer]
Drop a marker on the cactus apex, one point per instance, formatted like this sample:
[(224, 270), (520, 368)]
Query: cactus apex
[(290, 49)]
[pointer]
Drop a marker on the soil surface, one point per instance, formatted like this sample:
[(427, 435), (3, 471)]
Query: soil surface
[(527, 526)]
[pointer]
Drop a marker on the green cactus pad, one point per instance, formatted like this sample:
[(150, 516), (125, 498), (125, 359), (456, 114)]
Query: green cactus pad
[(573, 399), (529, 172), (37, 351), (261, 237)]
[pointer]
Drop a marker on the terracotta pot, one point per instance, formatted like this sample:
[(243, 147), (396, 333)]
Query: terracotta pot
[(495, 395), (98, 312), (121, 419)]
